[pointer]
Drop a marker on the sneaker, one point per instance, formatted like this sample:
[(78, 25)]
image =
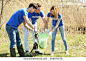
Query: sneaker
[(38, 52), (52, 53), (67, 53), (27, 52)]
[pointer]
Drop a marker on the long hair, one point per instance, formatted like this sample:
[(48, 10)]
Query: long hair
[(39, 5), (55, 10)]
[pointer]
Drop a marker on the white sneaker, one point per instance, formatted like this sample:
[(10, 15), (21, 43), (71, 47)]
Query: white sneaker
[(52, 53), (67, 53), (27, 53)]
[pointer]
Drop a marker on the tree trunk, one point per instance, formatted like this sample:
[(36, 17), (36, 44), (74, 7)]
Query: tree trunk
[(0, 23), (1, 15)]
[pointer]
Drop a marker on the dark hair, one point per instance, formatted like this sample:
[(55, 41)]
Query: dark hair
[(52, 8), (34, 5), (39, 5)]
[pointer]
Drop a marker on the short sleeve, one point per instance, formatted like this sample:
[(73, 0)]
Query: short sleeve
[(48, 15), (24, 12), (29, 15), (42, 14), (59, 16)]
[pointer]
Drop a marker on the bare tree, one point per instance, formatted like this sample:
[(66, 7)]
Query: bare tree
[(1, 14)]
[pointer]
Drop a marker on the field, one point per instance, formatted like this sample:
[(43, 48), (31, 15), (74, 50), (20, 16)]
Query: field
[(73, 15), (76, 46)]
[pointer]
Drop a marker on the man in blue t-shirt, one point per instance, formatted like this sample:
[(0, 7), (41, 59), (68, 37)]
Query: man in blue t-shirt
[(33, 18), (16, 19)]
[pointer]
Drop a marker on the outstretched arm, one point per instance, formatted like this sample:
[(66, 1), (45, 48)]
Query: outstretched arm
[(27, 26), (45, 22), (56, 25), (28, 22)]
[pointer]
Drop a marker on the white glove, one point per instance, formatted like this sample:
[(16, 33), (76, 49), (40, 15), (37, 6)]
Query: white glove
[(33, 31), (50, 33), (42, 31), (36, 29), (48, 30)]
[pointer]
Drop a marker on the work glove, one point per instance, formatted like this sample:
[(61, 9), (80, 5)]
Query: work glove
[(35, 31), (48, 30), (42, 31), (50, 33)]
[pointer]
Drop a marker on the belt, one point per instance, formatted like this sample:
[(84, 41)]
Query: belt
[(10, 26), (7, 24)]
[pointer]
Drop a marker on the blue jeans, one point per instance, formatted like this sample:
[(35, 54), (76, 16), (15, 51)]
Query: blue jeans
[(13, 36), (62, 31)]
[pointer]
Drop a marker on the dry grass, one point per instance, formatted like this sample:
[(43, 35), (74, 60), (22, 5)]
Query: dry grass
[(73, 15), (76, 46)]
